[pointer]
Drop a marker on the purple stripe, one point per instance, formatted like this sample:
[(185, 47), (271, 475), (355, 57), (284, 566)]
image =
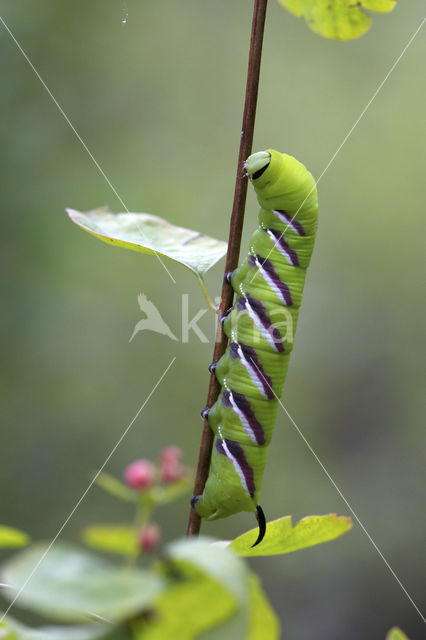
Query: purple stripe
[(294, 224), (233, 350), (281, 286), (219, 446), (237, 452), (280, 240), (252, 359), (244, 406), (260, 311), (225, 315)]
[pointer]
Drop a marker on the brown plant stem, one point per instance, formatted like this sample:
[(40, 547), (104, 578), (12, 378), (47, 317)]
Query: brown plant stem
[(235, 231)]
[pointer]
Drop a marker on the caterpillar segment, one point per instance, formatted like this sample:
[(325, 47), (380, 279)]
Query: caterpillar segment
[(260, 328)]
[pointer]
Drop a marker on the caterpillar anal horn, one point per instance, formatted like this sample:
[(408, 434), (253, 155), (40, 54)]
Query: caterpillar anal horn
[(260, 516)]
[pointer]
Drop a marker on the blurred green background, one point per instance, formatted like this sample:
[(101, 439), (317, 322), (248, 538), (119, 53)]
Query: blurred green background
[(158, 101)]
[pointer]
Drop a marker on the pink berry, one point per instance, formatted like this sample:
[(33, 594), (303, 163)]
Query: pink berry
[(149, 537), (170, 454), (140, 474)]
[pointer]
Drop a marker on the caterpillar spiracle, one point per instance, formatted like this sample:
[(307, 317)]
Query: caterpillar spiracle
[(260, 328)]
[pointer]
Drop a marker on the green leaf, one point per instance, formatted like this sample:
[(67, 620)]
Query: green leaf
[(65, 633), (187, 608), (216, 561), (211, 593), (116, 488), (338, 19), (156, 495), (6, 633), (15, 630), (227, 571), (234, 628), (214, 597), (150, 234), (282, 537), (396, 634), (264, 624), (12, 538), (72, 585), (113, 538), (163, 494)]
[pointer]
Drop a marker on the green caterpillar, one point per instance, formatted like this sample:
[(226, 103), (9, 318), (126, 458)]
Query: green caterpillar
[(260, 328)]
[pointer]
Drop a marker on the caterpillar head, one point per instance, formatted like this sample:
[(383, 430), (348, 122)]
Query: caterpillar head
[(282, 182), (256, 164)]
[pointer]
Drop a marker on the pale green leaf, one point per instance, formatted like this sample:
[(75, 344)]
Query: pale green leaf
[(262, 621), (116, 488), (149, 234), (338, 19), (396, 634), (188, 607), (163, 494), (67, 633), (112, 538), (15, 630), (156, 495), (282, 537), (217, 562), (12, 538), (6, 632), (210, 600), (73, 585)]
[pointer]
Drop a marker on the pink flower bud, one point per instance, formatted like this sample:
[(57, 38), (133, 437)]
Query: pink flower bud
[(171, 472), (140, 474), (170, 454), (149, 537)]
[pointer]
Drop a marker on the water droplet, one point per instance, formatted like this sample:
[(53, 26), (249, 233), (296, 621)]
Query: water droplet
[(124, 13)]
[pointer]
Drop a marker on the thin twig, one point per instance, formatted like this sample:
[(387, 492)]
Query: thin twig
[(236, 227)]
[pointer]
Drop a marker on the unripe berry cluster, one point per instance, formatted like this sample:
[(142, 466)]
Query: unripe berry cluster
[(142, 474)]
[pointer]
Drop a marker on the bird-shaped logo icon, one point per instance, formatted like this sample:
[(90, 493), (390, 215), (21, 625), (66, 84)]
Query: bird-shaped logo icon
[(153, 320)]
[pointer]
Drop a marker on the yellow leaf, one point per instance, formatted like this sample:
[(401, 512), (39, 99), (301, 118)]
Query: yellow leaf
[(338, 19)]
